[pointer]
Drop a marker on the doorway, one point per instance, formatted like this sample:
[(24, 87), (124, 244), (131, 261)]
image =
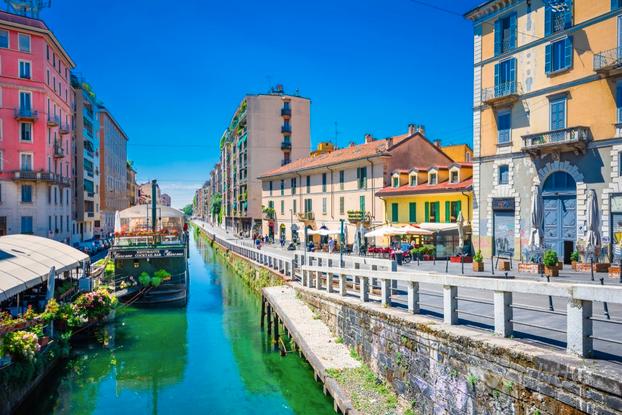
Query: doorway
[(560, 214)]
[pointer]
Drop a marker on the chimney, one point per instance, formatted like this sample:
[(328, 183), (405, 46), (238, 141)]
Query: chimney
[(437, 143), (389, 142), (369, 138), (352, 144), (412, 128), (421, 129)]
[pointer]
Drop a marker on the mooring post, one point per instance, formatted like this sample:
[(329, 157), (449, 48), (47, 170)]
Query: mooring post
[(263, 310), (269, 317), (276, 330)]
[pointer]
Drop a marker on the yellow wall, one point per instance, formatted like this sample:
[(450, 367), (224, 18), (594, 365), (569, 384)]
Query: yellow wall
[(404, 201), (458, 153)]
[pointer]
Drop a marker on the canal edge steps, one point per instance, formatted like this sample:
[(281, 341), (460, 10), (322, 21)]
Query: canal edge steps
[(314, 340)]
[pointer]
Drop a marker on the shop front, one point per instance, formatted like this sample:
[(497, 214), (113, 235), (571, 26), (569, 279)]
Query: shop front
[(503, 212)]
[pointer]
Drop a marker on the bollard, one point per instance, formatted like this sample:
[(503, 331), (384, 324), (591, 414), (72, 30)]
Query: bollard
[(447, 266), (462, 263), (548, 279), (592, 267), (492, 264)]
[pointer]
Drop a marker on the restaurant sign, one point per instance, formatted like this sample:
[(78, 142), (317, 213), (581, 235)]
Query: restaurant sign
[(148, 253)]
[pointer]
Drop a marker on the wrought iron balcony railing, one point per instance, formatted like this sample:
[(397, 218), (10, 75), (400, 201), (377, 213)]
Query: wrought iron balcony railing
[(53, 120), (286, 129), (64, 128), (45, 176), (286, 112), (608, 60), (504, 93), (59, 151), (24, 113), (286, 145), (566, 139)]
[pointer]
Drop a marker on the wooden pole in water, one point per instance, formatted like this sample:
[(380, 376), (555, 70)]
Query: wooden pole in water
[(263, 310), (269, 317), (276, 330)]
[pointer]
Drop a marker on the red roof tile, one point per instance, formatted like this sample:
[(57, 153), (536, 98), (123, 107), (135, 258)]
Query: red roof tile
[(425, 188)]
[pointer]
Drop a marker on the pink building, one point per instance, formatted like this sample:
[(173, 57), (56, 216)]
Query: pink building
[(35, 130)]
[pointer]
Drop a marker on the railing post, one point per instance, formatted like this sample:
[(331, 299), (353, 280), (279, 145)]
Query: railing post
[(342, 284), (318, 280), (503, 313), (385, 292), (356, 279), (329, 281), (579, 327), (364, 289), (413, 297), (450, 304), (304, 277)]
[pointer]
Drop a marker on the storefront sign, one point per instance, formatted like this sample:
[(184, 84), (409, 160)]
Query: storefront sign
[(148, 253), (503, 204)]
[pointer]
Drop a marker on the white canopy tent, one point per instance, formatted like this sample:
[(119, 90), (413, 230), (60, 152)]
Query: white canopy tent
[(26, 261)]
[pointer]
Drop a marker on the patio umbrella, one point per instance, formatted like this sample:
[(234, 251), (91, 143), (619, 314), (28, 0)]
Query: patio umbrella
[(460, 222), (117, 222), (376, 232), (51, 284), (537, 218), (592, 237), (413, 230)]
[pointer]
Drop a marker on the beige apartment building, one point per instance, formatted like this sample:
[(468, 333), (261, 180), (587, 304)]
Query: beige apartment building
[(267, 131), (132, 187), (333, 185)]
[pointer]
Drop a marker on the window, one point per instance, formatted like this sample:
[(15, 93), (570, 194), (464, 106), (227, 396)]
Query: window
[(3, 230), (25, 131), (504, 127), (342, 205), (619, 163), (270, 187), (308, 184), (324, 206), (505, 78), (323, 182), (412, 212), (413, 179), (395, 217), (25, 160), (25, 101), (295, 206), (308, 205), (505, 34), (432, 178), (396, 181), (558, 113), (362, 203), (26, 193), (341, 179), (23, 41), (454, 210), (361, 177), (26, 224), (558, 55), (4, 39), (432, 211), (618, 102), (282, 187), (282, 207), (557, 16), (453, 176), (616, 4), (504, 174), (293, 184), (24, 69)]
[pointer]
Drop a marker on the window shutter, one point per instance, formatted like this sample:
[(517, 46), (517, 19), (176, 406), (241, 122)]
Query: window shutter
[(512, 30), (497, 87), (437, 218), (498, 37), (568, 14), (619, 101), (459, 206), (547, 58), (394, 212), (413, 212), (548, 17), (427, 211), (447, 215), (512, 85), (568, 52)]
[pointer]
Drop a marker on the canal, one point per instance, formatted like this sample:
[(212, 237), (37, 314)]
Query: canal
[(209, 358)]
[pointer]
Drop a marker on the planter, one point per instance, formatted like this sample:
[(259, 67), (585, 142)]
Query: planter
[(551, 271), (560, 265), (598, 267), (573, 265), (503, 265), (614, 271), (457, 259), (43, 341), (427, 257), (530, 268), (478, 266)]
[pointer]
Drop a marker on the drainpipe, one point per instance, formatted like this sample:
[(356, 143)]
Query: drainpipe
[(332, 195), (468, 201)]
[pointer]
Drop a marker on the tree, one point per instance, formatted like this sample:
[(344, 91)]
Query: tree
[(187, 210)]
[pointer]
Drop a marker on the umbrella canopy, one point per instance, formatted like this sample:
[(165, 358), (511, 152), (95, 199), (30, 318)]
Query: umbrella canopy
[(413, 230), (51, 284), (117, 222), (460, 223), (324, 232), (438, 227), (592, 237), (537, 218), (377, 232)]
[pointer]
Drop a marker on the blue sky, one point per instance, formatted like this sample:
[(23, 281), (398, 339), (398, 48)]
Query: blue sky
[(172, 73)]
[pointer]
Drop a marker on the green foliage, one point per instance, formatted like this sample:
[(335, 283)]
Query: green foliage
[(574, 256), (339, 340), (22, 345), (159, 276), (354, 355), (187, 210), (144, 278), (478, 256), (508, 385), (95, 304), (472, 379), (550, 258)]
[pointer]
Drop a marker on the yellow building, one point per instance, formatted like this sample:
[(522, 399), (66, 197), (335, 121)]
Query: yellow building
[(547, 120)]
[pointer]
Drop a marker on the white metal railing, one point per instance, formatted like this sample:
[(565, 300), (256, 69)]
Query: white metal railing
[(580, 297)]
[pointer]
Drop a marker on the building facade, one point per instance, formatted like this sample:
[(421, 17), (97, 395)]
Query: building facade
[(132, 187), (267, 131), (165, 200), (86, 197), (113, 169), (144, 192), (340, 184), (35, 130), (547, 119)]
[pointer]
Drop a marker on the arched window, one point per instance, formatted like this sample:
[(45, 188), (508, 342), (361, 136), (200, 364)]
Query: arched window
[(560, 181)]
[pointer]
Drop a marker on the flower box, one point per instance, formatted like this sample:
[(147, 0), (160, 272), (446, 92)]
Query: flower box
[(551, 271), (530, 268), (573, 265), (503, 265), (478, 266), (598, 267), (457, 259), (614, 271)]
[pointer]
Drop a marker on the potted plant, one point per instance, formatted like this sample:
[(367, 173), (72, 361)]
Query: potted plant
[(550, 263), (574, 259), (478, 261)]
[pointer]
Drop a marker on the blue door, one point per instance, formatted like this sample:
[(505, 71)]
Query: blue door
[(560, 214)]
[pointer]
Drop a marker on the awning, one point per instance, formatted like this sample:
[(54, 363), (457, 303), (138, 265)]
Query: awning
[(438, 227), (26, 260), (324, 232)]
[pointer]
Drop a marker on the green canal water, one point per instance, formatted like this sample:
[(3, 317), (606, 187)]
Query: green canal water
[(209, 358)]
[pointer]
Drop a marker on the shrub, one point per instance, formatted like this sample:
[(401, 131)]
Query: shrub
[(144, 278), (21, 344), (550, 258), (95, 305), (156, 281), (478, 256), (51, 310), (574, 256)]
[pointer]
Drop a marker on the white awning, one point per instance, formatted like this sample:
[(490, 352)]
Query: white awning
[(324, 232), (439, 227), (26, 260), (144, 211)]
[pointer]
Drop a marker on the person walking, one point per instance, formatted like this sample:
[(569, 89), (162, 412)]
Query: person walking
[(331, 245)]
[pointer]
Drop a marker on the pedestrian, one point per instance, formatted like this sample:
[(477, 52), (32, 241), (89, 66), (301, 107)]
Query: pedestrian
[(282, 242), (331, 245)]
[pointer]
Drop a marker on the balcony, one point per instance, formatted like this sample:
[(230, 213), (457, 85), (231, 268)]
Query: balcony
[(306, 216), (286, 129), (502, 94), (53, 120), (43, 176), (286, 145), (64, 129), (90, 195), (286, 112), (59, 152), (557, 141), (609, 62), (26, 114)]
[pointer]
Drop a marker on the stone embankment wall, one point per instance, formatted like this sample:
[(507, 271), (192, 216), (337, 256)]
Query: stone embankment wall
[(458, 370)]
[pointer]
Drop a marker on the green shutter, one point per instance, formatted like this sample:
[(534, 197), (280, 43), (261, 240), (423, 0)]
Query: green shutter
[(447, 213), (427, 211), (412, 212), (458, 207), (395, 212)]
